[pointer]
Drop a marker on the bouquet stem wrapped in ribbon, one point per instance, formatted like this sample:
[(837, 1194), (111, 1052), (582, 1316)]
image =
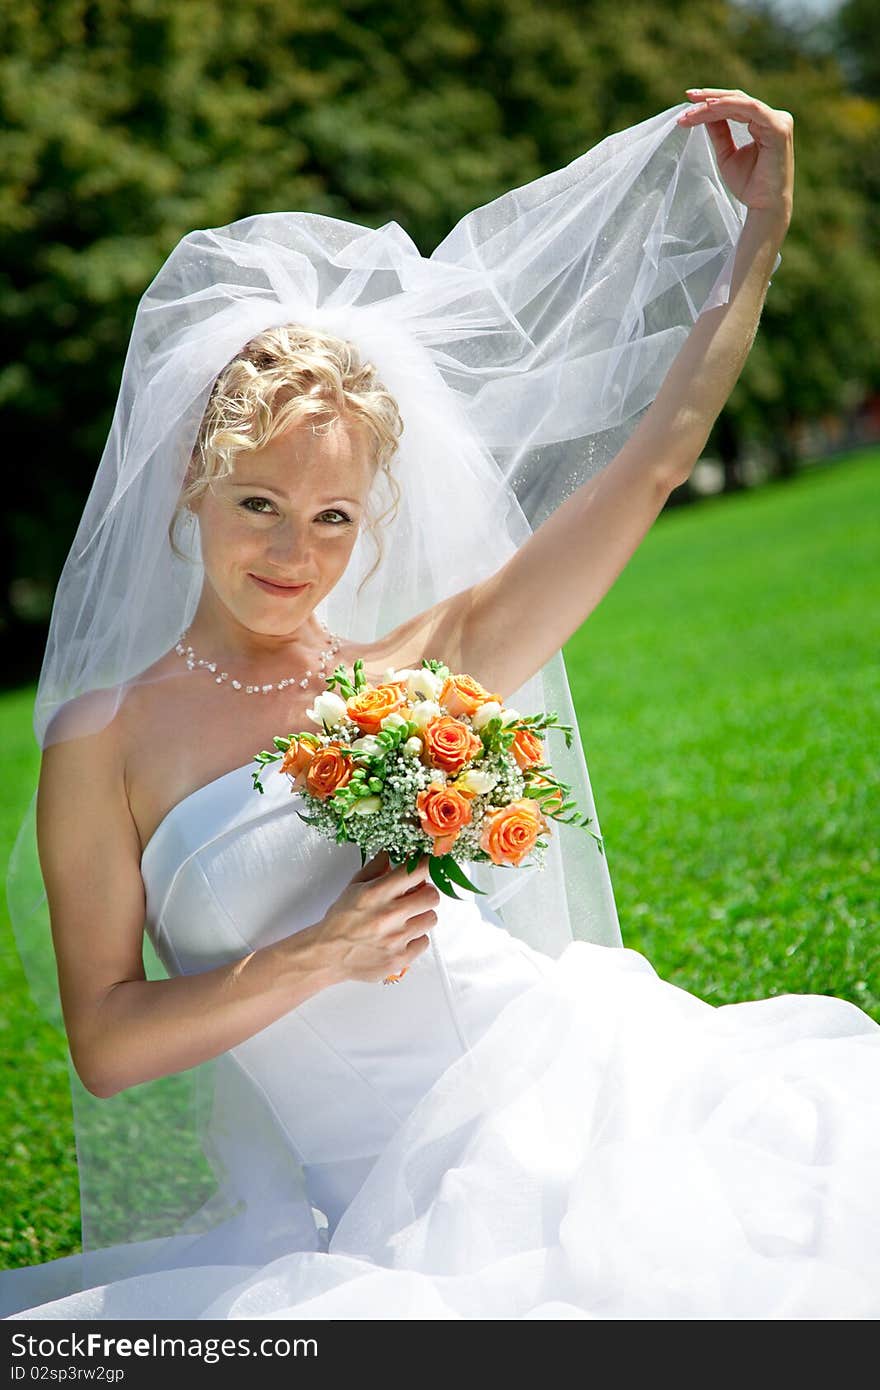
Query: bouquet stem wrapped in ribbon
[(426, 763)]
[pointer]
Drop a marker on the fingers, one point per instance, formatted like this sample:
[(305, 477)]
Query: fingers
[(726, 108), (381, 864), (714, 92), (412, 905), (388, 884), (373, 867), (718, 103), (423, 919), (415, 948)]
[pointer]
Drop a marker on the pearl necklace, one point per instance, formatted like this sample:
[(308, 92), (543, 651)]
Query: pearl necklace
[(192, 661)]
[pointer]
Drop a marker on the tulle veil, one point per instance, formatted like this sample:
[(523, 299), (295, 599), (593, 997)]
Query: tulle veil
[(522, 353)]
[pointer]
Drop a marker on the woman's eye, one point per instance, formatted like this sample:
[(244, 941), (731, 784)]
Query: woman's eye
[(344, 520)]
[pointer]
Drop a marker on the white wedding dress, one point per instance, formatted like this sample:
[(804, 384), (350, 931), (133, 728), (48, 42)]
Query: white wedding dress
[(500, 1135)]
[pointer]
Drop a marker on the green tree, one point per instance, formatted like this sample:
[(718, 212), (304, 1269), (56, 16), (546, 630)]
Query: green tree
[(130, 122)]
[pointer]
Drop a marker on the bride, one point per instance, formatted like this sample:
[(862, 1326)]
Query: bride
[(530, 1123)]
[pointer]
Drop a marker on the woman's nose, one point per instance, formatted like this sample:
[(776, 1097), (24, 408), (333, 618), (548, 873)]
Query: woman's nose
[(289, 541)]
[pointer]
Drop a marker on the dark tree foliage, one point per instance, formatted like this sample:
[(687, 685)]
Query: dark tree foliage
[(129, 122)]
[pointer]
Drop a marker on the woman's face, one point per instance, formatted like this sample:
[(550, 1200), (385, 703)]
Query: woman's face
[(290, 513)]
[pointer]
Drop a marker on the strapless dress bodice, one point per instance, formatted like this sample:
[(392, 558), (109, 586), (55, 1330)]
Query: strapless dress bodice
[(228, 871)]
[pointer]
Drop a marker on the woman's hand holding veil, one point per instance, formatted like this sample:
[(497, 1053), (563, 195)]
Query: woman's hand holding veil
[(760, 174)]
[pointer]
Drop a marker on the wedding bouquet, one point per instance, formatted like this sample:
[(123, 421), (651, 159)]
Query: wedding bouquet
[(426, 763)]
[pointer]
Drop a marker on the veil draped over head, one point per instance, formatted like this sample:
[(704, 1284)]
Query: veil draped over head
[(521, 353)]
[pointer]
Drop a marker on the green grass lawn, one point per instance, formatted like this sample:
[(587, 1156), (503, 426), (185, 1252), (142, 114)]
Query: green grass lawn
[(727, 688)]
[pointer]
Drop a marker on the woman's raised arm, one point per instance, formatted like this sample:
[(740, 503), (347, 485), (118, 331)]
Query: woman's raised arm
[(517, 618)]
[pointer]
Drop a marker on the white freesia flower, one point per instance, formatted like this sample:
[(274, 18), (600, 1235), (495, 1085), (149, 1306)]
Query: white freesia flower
[(475, 780), (424, 684), (413, 746), (423, 711), (368, 745), (393, 721), (327, 708), (366, 805), (510, 716), (484, 713)]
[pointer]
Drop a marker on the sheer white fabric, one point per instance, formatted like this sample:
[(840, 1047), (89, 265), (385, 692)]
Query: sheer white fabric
[(502, 1135)]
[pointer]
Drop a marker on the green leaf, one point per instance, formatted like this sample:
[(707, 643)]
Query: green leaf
[(435, 868), (453, 870)]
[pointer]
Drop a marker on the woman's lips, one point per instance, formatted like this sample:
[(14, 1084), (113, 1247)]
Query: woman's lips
[(271, 588)]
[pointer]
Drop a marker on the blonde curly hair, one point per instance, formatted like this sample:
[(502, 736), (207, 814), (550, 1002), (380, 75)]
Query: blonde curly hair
[(282, 376)]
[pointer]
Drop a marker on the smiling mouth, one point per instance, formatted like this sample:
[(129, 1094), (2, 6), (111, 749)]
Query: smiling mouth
[(281, 588)]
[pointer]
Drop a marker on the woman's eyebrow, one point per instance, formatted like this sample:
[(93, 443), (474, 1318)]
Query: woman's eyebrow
[(268, 487)]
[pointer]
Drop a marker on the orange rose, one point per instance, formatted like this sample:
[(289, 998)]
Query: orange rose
[(509, 833), (297, 759), (448, 744), (548, 803), (463, 695), (328, 770), (527, 748), (443, 811), (371, 705)]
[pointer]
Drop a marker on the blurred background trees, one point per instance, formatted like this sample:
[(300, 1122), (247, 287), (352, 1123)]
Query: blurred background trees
[(129, 122)]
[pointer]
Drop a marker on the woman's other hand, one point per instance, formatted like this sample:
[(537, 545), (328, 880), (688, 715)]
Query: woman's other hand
[(378, 925)]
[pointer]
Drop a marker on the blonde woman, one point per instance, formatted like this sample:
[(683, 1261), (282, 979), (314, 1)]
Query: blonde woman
[(325, 448)]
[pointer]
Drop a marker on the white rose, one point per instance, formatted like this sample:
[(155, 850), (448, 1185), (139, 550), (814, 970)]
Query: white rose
[(369, 745), (390, 676), (413, 746), (423, 712), (393, 721), (476, 781), (510, 716), (424, 685), (484, 713), (365, 805), (327, 708)]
